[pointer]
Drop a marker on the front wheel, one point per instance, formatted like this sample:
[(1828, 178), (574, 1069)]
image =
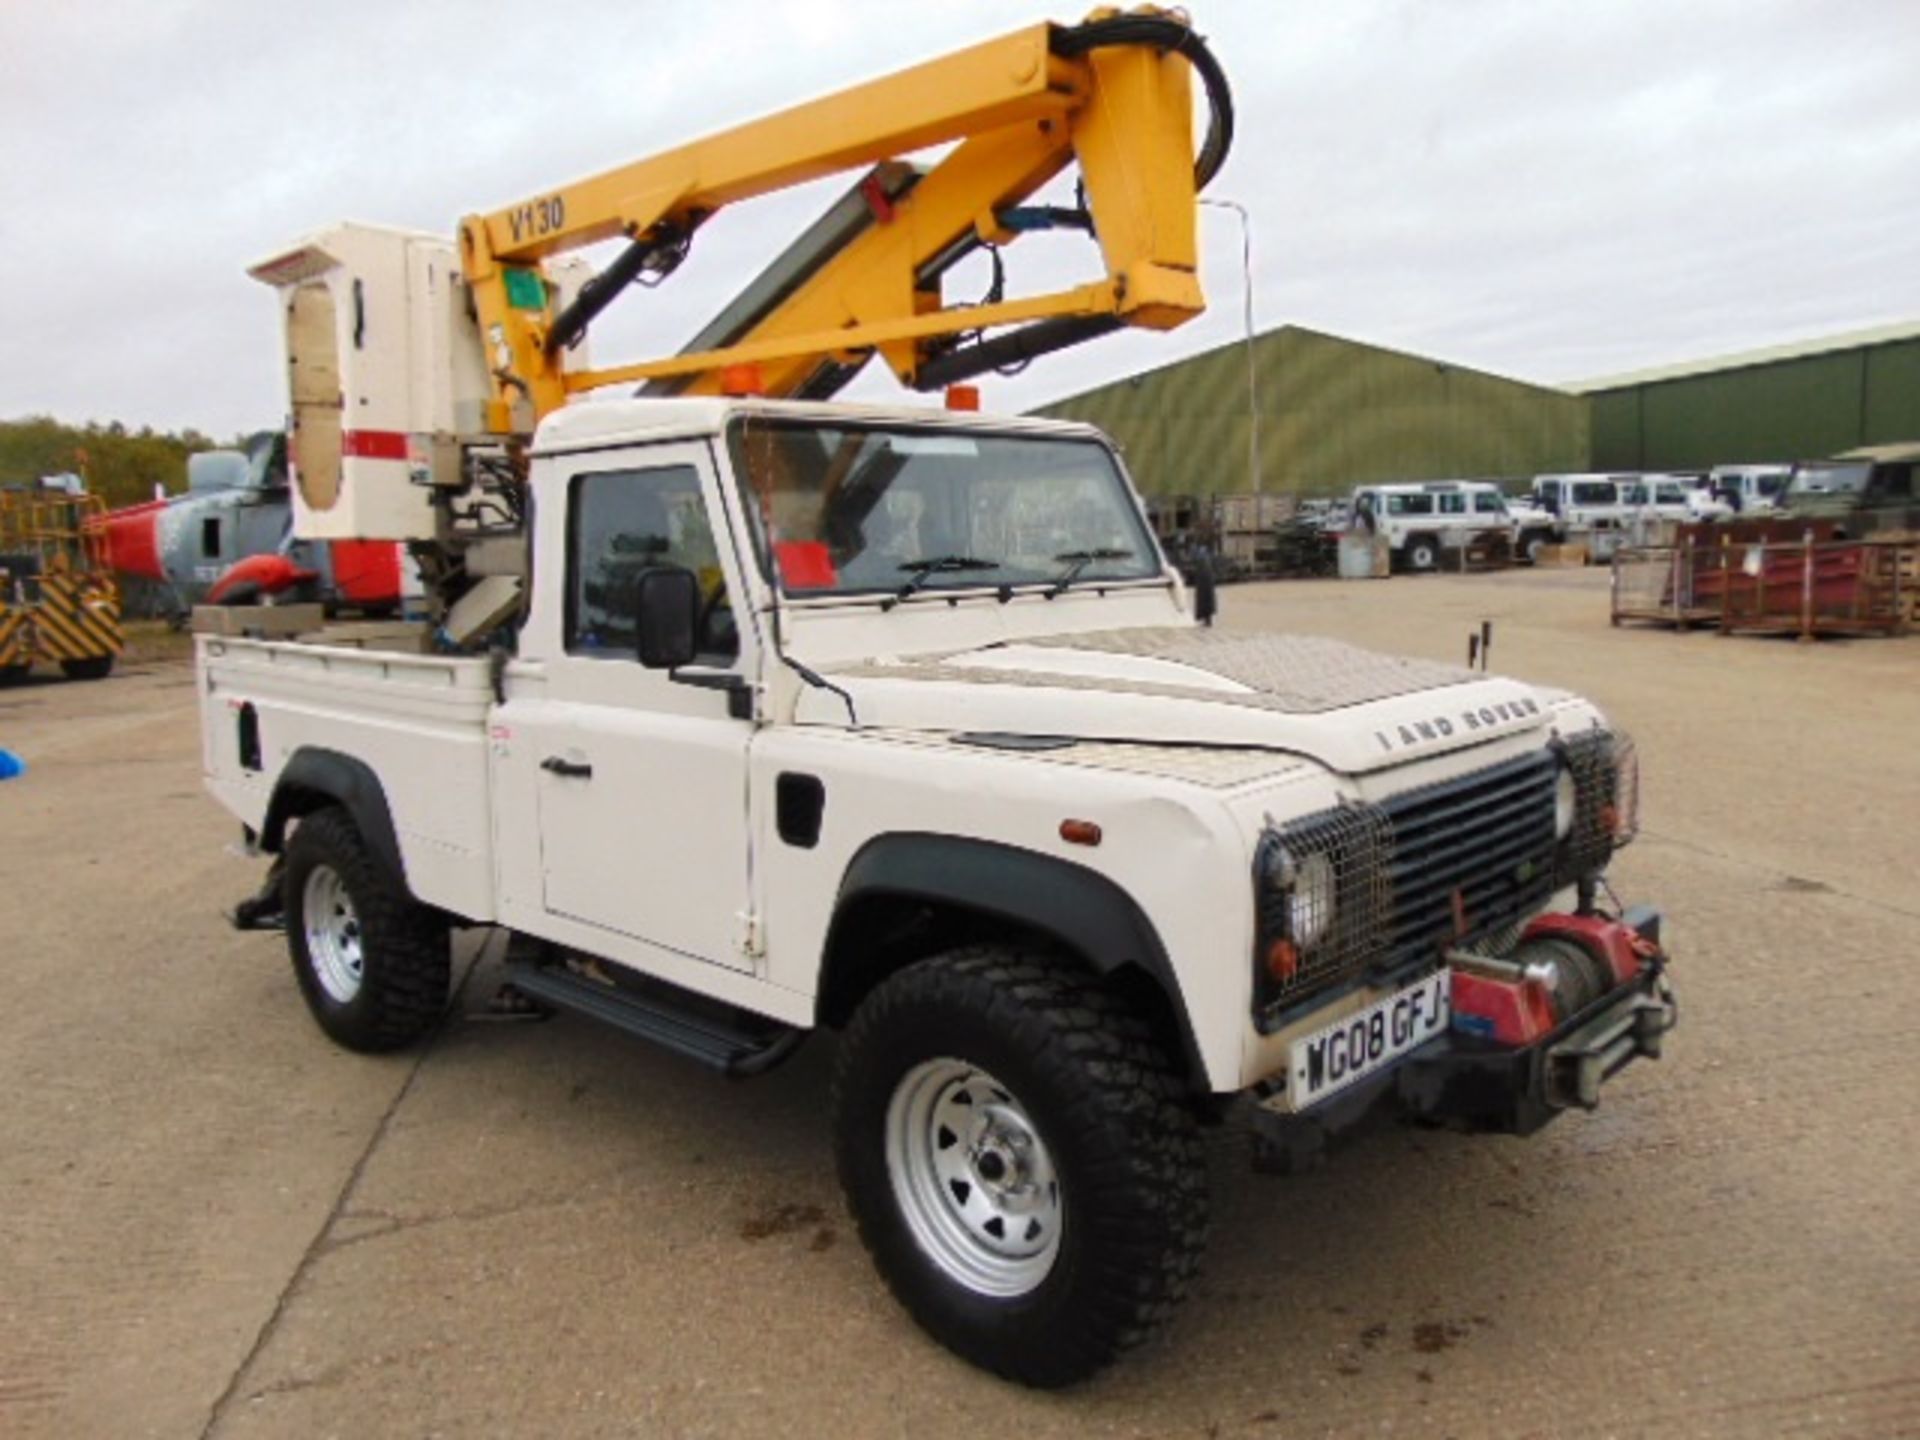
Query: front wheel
[(96, 667), (1021, 1161)]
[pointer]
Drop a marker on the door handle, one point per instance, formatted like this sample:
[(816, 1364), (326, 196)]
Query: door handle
[(572, 769)]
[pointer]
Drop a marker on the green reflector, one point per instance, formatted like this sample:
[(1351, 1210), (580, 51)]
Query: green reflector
[(526, 290)]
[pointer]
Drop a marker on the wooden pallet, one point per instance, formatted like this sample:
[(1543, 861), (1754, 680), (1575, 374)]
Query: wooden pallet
[(1559, 557)]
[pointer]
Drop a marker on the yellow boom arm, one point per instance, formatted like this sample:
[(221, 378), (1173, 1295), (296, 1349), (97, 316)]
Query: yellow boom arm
[(1113, 94)]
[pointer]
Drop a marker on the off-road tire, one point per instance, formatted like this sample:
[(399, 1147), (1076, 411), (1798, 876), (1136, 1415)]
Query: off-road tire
[(1533, 543), (1111, 1111), (14, 674), (1421, 554), (405, 946), (97, 667)]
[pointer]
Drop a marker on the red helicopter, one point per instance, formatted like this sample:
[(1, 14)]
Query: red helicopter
[(228, 540)]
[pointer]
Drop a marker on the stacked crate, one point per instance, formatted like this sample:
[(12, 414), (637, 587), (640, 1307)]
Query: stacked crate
[(1248, 529)]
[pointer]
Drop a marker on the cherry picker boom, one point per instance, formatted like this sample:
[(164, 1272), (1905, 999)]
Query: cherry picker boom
[(1112, 94), (419, 370)]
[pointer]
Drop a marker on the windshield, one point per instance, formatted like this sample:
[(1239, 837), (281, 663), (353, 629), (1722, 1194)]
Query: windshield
[(846, 509), (1830, 479)]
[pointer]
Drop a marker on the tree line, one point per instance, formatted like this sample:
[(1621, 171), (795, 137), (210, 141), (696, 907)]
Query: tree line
[(122, 466)]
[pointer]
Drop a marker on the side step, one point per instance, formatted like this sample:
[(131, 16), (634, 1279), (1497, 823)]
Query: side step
[(716, 1035)]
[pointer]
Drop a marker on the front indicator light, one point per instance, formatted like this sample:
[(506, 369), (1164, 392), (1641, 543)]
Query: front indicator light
[(1283, 961)]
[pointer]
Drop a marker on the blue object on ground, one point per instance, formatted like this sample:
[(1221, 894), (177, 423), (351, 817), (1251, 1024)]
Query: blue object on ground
[(11, 765)]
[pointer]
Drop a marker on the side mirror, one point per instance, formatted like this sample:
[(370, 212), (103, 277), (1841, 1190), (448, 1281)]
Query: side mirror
[(1206, 594), (668, 617)]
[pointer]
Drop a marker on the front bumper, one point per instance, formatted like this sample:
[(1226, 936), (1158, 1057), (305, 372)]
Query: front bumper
[(1465, 1082), (1475, 1085)]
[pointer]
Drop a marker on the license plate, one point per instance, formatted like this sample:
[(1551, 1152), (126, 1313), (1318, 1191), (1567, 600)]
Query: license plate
[(1367, 1041)]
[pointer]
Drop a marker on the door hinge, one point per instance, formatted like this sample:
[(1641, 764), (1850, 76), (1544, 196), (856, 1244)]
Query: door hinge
[(752, 943)]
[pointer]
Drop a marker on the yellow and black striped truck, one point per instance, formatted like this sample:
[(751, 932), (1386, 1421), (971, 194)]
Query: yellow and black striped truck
[(59, 604)]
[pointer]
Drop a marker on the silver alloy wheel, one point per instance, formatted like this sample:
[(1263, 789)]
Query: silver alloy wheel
[(332, 928), (973, 1178)]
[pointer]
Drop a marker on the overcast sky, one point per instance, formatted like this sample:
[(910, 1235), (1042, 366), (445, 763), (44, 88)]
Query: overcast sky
[(1546, 190)]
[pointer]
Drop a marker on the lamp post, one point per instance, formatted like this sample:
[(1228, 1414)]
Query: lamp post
[(1246, 288)]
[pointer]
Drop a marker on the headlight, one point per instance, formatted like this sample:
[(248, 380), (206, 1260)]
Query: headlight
[(1310, 901), (1566, 802)]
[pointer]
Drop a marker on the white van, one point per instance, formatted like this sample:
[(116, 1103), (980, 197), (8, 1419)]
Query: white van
[(1750, 489), (1576, 501), (1666, 497), (1416, 520)]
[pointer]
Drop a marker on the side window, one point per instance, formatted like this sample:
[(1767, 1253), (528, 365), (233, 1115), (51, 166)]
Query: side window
[(624, 523), (1410, 504), (1452, 502), (1487, 503)]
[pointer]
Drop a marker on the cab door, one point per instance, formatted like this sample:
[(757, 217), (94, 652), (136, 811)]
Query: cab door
[(642, 774)]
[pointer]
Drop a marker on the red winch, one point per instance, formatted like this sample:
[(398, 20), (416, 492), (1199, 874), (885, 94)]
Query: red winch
[(1562, 964)]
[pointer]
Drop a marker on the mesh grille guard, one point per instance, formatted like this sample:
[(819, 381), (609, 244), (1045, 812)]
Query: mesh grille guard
[(1597, 760), (1357, 840), (1450, 863)]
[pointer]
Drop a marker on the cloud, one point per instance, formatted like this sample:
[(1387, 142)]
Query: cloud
[(1550, 191)]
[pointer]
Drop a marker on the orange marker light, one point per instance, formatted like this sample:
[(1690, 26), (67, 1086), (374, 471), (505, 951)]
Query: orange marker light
[(963, 397), (1079, 832), (743, 379)]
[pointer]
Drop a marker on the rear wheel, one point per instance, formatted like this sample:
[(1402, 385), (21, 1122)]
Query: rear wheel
[(372, 962), (13, 674), (1533, 543), (1021, 1161), (96, 667)]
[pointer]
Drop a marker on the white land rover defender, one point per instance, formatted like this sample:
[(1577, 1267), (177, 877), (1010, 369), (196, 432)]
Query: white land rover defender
[(897, 723), (1421, 520)]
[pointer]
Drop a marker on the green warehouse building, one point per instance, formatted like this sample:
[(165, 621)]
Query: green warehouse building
[(1792, 402), (1332, 413)]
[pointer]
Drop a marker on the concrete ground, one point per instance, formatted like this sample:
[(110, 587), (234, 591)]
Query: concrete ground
[(213, 1222)]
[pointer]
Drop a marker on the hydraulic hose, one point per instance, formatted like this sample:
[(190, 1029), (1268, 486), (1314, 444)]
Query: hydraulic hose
[(659, 253), (1015, 347), (1045, 336), (1163, 32)]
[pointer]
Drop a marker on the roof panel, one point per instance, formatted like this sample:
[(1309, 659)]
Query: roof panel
[(1741, 360)]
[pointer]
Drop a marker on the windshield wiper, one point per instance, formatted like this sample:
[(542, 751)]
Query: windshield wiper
[(924, 570), (1078, 560)]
